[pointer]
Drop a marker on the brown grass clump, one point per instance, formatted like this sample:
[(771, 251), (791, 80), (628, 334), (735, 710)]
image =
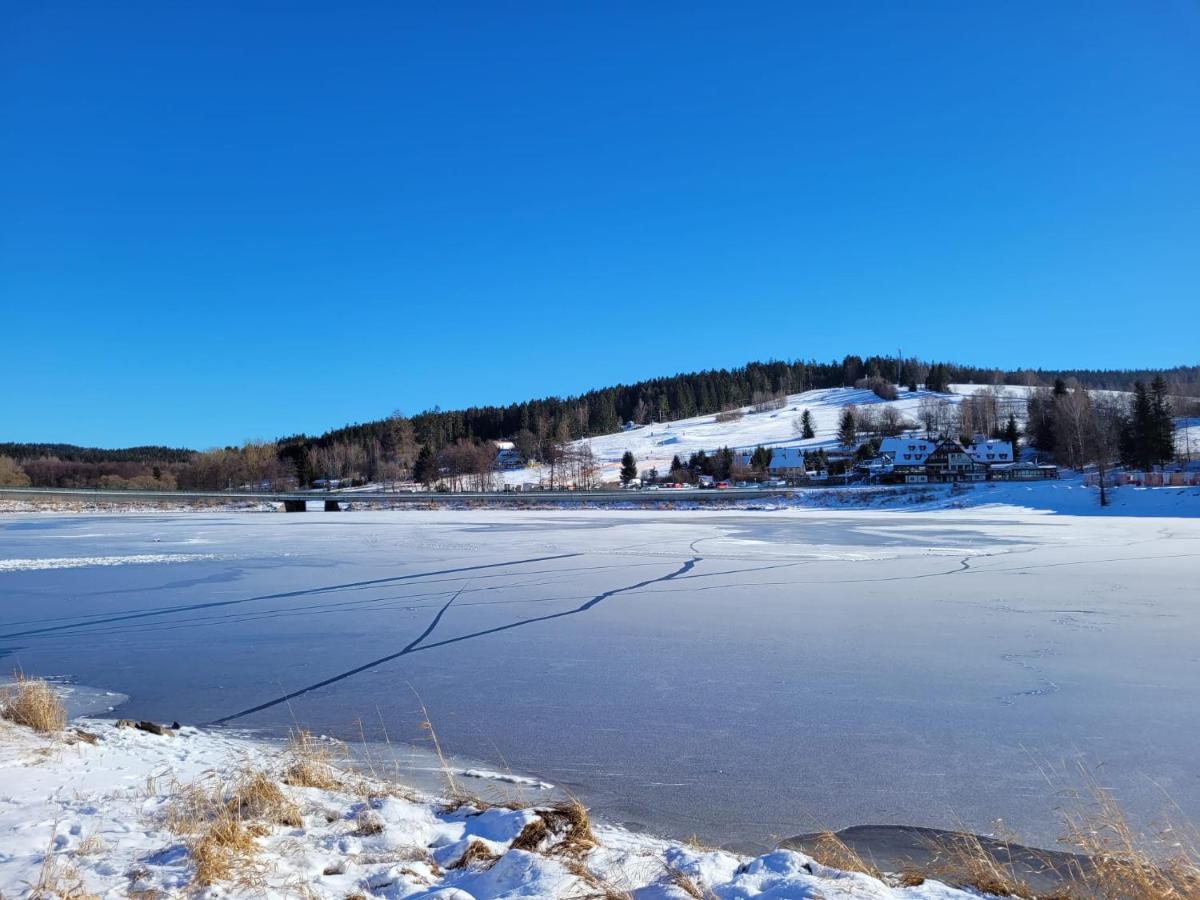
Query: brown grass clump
[(570, 818), (258, 797), (476, 855), (688, 885), (33, 703), (222, 820), (220, 844), (595, 888), (310, 762), (910, 878), (368, 822), (830, 850), (532, 836), (223, 851), (962, 859), (1126, 865)]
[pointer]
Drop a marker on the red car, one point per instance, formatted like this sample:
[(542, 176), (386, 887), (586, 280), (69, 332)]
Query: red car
[(722, 485)]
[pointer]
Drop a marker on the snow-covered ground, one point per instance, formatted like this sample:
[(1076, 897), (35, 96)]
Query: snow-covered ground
[(653, 446), (80, 819)]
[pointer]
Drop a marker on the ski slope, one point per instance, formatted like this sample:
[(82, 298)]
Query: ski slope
[(654, 445)]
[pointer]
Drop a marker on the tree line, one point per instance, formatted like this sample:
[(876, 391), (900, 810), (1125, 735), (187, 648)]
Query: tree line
[(438, 445)]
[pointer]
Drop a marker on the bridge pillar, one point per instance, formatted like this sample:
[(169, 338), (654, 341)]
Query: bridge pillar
[(295, 506), (332, 506)]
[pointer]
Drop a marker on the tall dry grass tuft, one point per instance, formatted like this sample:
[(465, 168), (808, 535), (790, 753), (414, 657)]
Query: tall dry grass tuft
[(223, 851), (33, 703), (830, 850), (310, 762), (960, 858), (1124, 864), (57, 878), (688, 885), (593, 887), (427, 725), (220, 820), (256, 796), (476, 856)]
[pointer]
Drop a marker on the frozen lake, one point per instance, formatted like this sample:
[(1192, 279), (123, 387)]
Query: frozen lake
[(741, 676)]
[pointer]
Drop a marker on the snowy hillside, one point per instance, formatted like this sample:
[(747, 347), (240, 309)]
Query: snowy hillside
[(653, 446)]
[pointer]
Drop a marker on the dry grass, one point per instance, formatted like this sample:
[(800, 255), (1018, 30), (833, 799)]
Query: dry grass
[(570, 819), (256, 796), (1126, 864), (563, 828), (91, 845), (532, 836), (57, 878), (221, 821), (961, 859), (33, 703), (477, 855), (310, 762), (594, 887), (688, 885), (223, 851), (368, 822), (830, 850), (910, 878)]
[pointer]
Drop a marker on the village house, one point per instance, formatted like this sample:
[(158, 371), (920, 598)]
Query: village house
[(786, 462), (507, 455), (951, 461), (990, 453), (914, 460), (1022, 471)]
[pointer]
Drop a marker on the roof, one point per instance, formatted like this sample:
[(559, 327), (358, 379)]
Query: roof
[(991, 451), (907, 450)]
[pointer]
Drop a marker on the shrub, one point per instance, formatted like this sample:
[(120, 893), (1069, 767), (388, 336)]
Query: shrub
[(33, 703)]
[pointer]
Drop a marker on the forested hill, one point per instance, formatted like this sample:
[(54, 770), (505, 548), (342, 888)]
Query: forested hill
[(72, 453), (680, 396), (390, 447)]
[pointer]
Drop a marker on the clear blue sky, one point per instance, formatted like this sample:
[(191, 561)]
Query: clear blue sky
[(231, 220)]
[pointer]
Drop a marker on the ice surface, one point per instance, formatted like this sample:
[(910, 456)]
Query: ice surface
[(737, 675)]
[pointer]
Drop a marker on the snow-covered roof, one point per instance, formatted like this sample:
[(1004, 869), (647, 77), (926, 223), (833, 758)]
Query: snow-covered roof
[(991, 451), (907, 450)]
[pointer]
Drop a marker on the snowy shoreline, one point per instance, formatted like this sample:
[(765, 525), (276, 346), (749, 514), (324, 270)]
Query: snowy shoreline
[(1068, 496), (94, 815)]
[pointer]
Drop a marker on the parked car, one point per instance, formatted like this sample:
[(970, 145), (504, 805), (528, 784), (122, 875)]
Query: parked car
[(722, 485)]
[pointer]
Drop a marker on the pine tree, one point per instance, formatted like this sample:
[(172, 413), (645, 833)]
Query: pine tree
[(806, 423), (425, 470), (760, 459), (1137, 437), (1162, 431), (723, 464), (676, 463), (848, 428), (1012, 435), (629, 469)]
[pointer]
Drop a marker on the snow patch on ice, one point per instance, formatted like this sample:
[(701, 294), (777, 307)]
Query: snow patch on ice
[(80, 562)]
